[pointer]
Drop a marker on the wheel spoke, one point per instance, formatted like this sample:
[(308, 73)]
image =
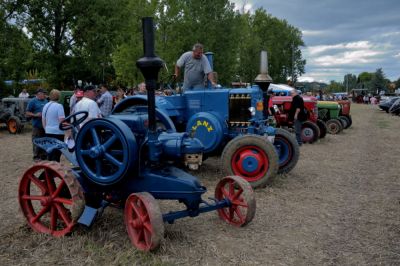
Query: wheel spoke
[(239, 214), (135, 210), (85, 152), (98, 168), (237, 194), (231, 213), (40, 214), (94, 136), (147, 226), (63, 201), (113, 160), (63, 213), (224, 192), (147, 236), (58, 190), (116, 152), (240, 203), (109, 142), (49, 181), (53, 218), (38, 183), (33, 197), (231, 188)]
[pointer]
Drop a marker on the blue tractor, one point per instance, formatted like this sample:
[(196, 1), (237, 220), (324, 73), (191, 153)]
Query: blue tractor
[(126, 162), (233, 122)]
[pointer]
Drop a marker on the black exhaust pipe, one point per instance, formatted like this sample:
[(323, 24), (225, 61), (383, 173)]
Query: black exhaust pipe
[(150, 66)]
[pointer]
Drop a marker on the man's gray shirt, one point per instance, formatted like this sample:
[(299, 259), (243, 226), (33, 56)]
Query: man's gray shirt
[(195, 70)]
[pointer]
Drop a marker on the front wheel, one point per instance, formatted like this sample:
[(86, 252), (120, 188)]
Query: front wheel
[(239, 193), (288, 150), (143, 220), (334, 126), (252, 158), (309, 132)]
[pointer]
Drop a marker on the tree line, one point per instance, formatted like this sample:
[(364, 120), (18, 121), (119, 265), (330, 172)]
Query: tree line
[(374, 82), (99, 40)]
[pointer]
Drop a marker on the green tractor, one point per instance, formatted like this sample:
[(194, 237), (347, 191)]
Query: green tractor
[(329, 112)]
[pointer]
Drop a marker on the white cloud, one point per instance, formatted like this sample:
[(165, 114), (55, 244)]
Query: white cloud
[(397, 55), (313, 32), (313, 50), (390, 34), (348, 58), (306, 79)]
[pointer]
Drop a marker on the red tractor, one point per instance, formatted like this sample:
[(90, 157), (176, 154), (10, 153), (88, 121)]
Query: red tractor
[(312, 129)]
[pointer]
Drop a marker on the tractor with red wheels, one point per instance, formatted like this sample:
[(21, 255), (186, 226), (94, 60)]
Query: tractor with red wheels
[(127, 162), (231, 122), (312, 129)]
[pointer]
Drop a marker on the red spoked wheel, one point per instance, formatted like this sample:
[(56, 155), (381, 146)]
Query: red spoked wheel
[(241, 196), (51, 198), (144, 221)]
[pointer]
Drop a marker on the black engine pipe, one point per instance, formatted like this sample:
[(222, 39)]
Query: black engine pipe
[(150, 66)]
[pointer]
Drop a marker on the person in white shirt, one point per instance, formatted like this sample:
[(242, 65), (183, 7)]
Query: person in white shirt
[(88, 104), (52, 115), (23, 94)]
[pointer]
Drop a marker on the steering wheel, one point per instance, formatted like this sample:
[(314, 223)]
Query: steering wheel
[(73, 121)]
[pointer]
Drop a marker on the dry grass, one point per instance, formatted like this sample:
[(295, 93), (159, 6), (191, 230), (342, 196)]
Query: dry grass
[(339, 206)]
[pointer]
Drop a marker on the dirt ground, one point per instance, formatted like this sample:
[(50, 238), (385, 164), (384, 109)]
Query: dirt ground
[(339, 206)]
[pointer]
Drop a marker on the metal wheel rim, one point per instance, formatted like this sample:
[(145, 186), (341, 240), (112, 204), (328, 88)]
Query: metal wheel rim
[(239, 157)]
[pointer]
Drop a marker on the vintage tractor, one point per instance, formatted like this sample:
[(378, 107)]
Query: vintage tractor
[(232, 122), (328, 111), (124, 161), (312, 129), (344, 113), (12, 113)]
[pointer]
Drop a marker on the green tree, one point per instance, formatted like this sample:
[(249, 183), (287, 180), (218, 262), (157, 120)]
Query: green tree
[(350, 82), (378, 81), (335, 87), (130, 49), (281, 40)]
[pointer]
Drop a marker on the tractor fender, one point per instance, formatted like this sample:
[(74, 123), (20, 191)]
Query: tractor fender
[(161, 103), (209, 128)]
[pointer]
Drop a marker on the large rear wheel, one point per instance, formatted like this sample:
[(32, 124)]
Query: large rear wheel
[(51, 198), (252, 158)]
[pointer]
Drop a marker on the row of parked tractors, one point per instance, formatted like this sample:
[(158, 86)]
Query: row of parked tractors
[(141, 152), (322, 116)]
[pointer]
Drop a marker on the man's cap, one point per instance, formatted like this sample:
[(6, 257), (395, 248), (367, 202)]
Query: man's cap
[(88, 88), (79, 93), (41, 90)]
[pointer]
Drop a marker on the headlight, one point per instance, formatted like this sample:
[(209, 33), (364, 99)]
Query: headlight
[(252, 111)]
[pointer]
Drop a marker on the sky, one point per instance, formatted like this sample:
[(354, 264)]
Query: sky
[(341, 36)]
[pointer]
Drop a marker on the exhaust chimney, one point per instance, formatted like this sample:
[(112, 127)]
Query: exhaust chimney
[(263, 79)]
